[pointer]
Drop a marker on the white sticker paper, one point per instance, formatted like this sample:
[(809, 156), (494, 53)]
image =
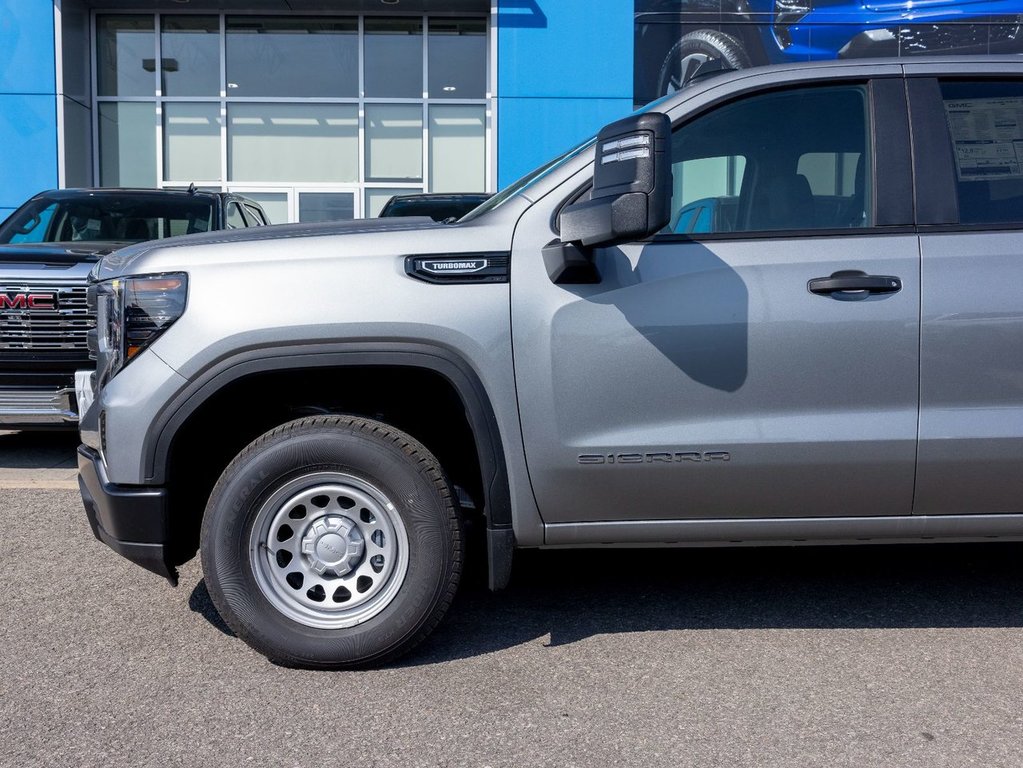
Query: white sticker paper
[(988, 137)]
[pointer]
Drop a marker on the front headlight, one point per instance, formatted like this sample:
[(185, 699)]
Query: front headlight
[(132, 312)]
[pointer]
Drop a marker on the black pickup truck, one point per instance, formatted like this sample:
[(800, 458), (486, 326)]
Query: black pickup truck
[(47, 248)]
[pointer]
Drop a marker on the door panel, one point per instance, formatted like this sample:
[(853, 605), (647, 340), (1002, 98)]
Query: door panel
[(971, 386), (704, 380), (971, 394)]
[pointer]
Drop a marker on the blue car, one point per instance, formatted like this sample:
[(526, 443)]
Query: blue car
[(675, 37)]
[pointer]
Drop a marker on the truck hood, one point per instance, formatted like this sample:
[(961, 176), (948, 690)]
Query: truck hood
[(223, 246), (55, 254)]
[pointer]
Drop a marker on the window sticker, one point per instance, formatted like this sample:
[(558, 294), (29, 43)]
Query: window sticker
[(988, 137)]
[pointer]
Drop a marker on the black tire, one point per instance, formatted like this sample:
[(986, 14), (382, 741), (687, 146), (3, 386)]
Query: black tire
[(370, 455), (692, 50)]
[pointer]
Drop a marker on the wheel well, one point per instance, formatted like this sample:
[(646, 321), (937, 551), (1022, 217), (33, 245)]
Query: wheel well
[(418, 401)]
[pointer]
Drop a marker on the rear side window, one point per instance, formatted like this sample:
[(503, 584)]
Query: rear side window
[(985, 124)]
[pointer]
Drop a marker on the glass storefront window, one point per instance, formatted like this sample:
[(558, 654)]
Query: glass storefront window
[(458, 150), (293, 142), (190, 55), (394, 58), (458, 58), (275, 205), (326, 206), (272, 103), (394, 142), (127, 144), (191, 141), (292, 57), (126, 55)]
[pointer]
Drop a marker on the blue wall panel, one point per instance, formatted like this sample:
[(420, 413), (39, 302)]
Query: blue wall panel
[(28, 100), (533, 131), (573, 48), (28, 147), (564, 69), (27, 60)]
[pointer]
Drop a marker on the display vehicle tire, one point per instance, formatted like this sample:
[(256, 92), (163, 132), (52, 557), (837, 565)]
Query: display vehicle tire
[(332, 542), (697, 48)]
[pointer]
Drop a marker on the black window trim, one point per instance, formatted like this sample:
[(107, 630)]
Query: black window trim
[(780, 234), (892, 149), (937, 201)]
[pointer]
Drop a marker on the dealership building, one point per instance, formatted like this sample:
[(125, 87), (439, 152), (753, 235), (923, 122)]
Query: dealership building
[(323, 109), (316, 108)]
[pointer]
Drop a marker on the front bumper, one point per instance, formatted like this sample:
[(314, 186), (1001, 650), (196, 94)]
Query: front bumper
[(35, 407), (131, 520)]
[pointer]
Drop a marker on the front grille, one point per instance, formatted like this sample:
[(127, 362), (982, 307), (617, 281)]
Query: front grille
[(44, 329), (980, 38)]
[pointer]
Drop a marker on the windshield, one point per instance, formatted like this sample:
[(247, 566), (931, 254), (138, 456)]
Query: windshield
[(438, 209), (510, 191), (103, 217)]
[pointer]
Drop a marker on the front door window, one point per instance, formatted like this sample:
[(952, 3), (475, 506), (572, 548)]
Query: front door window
[(790, 160)]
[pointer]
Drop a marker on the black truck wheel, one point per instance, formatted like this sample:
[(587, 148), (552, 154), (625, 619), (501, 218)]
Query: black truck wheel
[(332, 542), (697, 48)]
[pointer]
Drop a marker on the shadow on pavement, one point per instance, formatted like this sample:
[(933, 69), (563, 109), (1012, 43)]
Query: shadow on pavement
[(201, 602), (39, 450), (574, 595)]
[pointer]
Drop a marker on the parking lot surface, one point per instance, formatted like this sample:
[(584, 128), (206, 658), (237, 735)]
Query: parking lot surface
[(870, 656), (38, 460)]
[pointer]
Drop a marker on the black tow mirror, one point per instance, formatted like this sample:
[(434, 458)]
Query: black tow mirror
[(631, 196)]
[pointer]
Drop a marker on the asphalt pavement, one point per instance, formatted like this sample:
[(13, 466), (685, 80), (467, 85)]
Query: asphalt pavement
[(861, 656), (38, 460)]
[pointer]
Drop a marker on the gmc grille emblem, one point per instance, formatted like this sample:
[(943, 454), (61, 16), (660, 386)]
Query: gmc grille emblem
[(28, 301)]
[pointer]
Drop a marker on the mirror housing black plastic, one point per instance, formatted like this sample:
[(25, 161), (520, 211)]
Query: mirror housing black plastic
[(631, 196)]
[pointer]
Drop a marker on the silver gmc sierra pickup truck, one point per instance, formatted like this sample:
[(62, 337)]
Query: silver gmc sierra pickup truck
[(782, 305)]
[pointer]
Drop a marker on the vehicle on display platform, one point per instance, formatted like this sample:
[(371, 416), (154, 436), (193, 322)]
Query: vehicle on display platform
[(321, 410), (675, 37), (438, 206), (47, 247)]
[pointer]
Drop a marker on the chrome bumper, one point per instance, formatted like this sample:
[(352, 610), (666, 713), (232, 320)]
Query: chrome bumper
[(25, 407)]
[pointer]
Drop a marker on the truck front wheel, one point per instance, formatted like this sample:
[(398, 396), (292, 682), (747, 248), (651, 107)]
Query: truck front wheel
[(332, 542)]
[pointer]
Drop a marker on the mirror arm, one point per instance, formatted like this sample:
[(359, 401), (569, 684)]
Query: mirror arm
[(570, 263)]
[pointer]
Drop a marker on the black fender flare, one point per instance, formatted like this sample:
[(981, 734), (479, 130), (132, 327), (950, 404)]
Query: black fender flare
[(441, 360)]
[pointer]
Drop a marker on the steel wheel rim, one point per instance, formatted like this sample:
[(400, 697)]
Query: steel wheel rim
[(345, 557)]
